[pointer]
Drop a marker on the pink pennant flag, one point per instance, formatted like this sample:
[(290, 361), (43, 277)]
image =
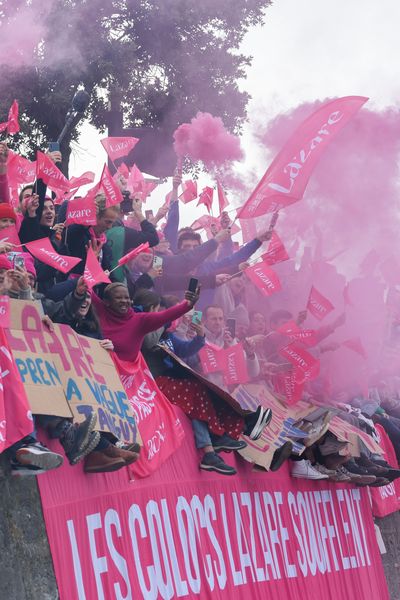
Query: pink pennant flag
[(300, 358), (318, 305), (204, 222), (136, 180), (9, 235), (76, 182), (211, 359), (117, 147), (308, 337), (93, 273), (5, 312), (189, 191), (235, 367), (286, 179), (82, 211), (123, 170), (286, 383), (51, 175), (11, 124), (222, 199), (249, 229), (20, 170), (264, 278), (133, 253), (356, 345), (44, 251), (276, 251), (206, 198), (111, 190)]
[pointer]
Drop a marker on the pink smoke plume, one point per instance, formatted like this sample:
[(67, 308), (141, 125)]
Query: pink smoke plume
[(20, 36), (349, 216), (205, 138)]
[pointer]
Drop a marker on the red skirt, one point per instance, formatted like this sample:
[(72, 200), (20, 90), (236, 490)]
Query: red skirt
[(195, 400)]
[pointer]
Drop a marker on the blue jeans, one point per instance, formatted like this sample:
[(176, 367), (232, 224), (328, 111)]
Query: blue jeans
[(201, 433)]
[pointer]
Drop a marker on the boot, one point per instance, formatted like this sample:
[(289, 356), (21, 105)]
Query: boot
[(99, 462), (126, 455)]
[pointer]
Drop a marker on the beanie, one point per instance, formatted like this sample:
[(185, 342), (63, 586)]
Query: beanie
[(7, 212)]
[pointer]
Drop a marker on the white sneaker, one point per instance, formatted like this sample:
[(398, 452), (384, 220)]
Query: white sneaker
[(36, 455), (322, 469), (304, 470)]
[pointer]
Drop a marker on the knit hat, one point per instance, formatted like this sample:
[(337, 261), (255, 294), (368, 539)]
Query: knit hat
[(4, 262), (7, 212)]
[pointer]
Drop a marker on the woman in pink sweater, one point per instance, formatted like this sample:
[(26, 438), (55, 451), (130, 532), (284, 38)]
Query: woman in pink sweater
[(127, 328)]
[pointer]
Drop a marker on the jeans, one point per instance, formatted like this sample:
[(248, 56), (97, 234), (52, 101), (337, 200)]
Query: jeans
[(201, 433)]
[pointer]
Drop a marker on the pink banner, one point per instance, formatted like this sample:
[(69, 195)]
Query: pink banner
[(183, 533), (264, 278), (286, 179), (156, 418), (386, 499)]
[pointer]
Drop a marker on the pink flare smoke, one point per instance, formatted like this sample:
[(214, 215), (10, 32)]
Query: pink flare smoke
[(205, 138)]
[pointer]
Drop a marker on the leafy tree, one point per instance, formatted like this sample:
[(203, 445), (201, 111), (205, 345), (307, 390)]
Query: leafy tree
[(159, 61)]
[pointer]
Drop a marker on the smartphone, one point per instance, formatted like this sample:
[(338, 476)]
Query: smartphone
[(127, 203), (157, 262), (149, 214), (231, 327), (193, 284), (19, 262), (196, 317), (54, 147)]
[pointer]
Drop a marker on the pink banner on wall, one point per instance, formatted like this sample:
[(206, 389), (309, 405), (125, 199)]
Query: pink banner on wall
[(386, 499), (182, 533)]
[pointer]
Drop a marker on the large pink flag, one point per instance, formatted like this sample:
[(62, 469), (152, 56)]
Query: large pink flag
[(286, 179), (117, 147), (44, 251), (93, 273)]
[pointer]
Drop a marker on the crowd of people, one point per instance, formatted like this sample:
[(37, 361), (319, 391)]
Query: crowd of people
[(150, 306)]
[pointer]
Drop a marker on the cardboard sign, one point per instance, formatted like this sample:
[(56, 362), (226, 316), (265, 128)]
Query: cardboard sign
[(65, 374)]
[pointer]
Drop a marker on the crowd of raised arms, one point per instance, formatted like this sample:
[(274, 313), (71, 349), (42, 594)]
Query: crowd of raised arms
[(149, 305)]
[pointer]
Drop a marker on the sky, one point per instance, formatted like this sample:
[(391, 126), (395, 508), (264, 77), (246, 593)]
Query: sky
[(306, 50)]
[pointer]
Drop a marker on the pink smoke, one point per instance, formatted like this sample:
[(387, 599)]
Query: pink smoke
[(349, 215), (205, 138), (20, 36)]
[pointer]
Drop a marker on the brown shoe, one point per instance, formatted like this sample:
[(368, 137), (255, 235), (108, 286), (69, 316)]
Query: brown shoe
[(98, 462), (126, 455)]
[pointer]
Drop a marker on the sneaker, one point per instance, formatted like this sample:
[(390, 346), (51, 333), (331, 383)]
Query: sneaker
[(340, 477), (211, 461), (227, 444), (380, 481), (322, 469), (36, 455), (257, 422), (132, 447), (18, 470), (304, 470), (99, 462), (358, 479), (280, 455)]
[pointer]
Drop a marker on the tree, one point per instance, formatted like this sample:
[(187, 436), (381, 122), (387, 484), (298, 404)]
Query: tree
[(161, 61)]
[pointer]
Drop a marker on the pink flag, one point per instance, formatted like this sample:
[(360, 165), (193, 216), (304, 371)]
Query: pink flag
[(12, 124), (211, 359), (222, 199), (318, 305), (286, 179), (264, 278), (44, 251), (116, 147), (93, 273), (276, 251), (300, 358), (249, 230), (287, 384), (136, 180), (346, 295), (204, 222), (133, 253), (9, 235), (235, 367), (51, 175), (20, 169), (5, 312), (112, 192), (123, 170), (308, 337), (355, 344), (206, 198), (82, 211), (189, 191), (84, 179)]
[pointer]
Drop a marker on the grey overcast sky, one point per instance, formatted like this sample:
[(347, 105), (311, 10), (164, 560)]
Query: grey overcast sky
[(307, 50)]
